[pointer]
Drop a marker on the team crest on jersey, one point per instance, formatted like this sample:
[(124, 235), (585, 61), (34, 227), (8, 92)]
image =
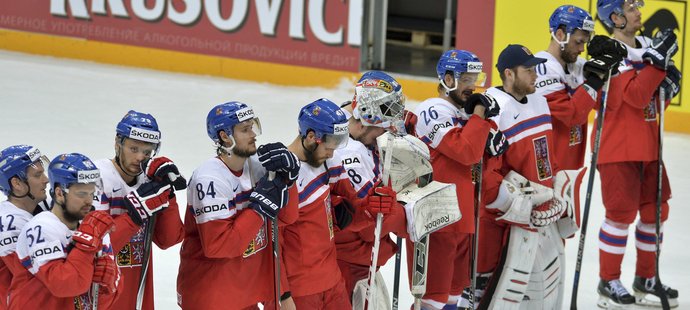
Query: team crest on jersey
[(650, 112), (329, 215), (132, 253), (82, 302), (575, 135), (541, 153), (258, 244)]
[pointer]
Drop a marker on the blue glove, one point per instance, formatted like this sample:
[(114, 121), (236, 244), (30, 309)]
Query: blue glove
[(269, 196), (671, 82), (664, 46), (486, 100), (496, 144), (276, 157)]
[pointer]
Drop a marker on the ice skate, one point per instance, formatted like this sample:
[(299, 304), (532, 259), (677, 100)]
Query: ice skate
[(644, 287), (613, 295)]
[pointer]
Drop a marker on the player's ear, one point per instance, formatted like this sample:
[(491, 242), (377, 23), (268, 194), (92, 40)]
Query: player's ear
[(224, 138), (449, 79), (560, 34)]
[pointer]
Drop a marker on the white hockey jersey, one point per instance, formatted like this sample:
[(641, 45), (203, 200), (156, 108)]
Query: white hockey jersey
[(435, 117), (12, 219), (362, 165), (552, 77)]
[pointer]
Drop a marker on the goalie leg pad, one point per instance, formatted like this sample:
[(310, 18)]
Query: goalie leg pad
[(546, 285), (512, 285), (359, 295)]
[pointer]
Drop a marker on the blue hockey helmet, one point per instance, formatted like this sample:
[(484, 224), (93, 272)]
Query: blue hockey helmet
[(328, 122), (572, 18), (14, 161), (226, 115), (139, 126), (606, 8), (379, 101), (459, 62), (68, 169)]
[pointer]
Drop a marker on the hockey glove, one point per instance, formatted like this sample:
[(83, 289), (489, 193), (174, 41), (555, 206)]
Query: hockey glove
[(268, 197), (161, 169), (106, 273), (602, 45), (343, 213), (381, 200), (671, 82), (486, 100), (276, 157), (147, 200), (496, 144), (91, 231), (663, 47), (596, 70)]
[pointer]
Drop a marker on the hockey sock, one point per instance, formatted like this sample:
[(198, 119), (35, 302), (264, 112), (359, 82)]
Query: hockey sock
[(612, 241), (645, 241)]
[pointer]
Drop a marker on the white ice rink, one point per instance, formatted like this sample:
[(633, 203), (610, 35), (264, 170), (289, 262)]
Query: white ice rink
[(61, 105)]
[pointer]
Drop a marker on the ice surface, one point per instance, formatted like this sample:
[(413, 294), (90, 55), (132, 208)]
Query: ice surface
[(63, 106)]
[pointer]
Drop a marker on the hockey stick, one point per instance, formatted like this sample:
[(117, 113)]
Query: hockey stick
[(276, 253), (396, 281), (148, 237), (590, 185), (475, 238), (658, 287), (371, 292)]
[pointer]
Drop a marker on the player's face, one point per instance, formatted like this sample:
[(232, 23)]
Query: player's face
[(575, 46), (322, 152), (79, 200), (370, 134), (466, 87), (133, 152), (525, 77), (631, 11), (245, 139), (37, 180)]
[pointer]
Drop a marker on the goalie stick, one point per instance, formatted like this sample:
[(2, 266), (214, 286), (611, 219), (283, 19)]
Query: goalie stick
[(371, 292)]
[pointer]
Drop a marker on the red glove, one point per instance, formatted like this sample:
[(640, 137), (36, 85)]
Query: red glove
[(162, 169), (91, 231), (381, 200), (106, 273)]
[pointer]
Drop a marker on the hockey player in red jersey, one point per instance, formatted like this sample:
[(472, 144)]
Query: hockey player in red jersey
[(129, 177), (455, 127), (628, 155), (23, 181), (66, 258), (377, 107), (569, 83), (526, 198), (308, 244), (226, 260)]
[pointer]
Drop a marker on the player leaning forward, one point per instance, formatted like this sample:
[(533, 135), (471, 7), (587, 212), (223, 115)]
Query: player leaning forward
[(135, 187), (64, 257), (628, 159), (23, 181), (376, 108), (529, 204), (226, 260)]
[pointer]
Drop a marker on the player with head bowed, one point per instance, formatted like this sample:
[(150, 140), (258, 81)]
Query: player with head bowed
[(309, 243), (377, 108), (571, 84), (629, 152), (526, 197), (456, 128), (67, 250), (226, 259), (139, 185), (23, 181)]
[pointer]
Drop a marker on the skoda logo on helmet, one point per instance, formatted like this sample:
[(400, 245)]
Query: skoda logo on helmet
[(88, 176), (474, 67), (34, 154), (244, 114), (144, 135)]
